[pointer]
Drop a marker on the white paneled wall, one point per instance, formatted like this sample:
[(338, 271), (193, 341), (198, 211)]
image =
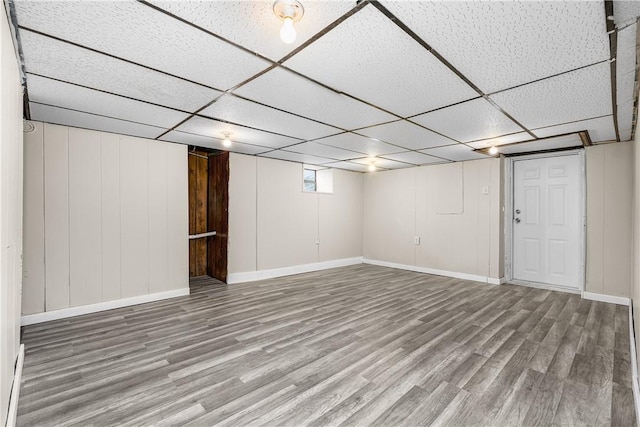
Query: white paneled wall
[(11, 185), (273, 224), (405, 204), (115, 218), (609, 263)]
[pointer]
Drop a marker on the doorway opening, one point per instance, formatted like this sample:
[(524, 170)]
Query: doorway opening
[(208, 213), (545, 217)]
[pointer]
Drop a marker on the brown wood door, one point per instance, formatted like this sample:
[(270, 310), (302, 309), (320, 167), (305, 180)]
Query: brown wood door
[(218, 215), (198, 213)]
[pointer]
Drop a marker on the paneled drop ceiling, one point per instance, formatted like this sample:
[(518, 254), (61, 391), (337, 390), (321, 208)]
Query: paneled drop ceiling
[(406, 82)]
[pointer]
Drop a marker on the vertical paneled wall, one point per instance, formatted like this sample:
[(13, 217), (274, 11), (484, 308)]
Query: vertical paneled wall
[(115, 216), (10, 210), (198, 204), (458, 223), (274, 224), (609, 219)]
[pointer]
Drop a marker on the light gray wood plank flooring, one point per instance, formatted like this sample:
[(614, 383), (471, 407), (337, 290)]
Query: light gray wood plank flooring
[(361, 345)]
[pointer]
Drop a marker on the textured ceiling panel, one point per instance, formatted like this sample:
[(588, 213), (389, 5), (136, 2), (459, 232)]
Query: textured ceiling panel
[(600, 129), (501, 44), (406, 134), (361, 144), (324, 151), (414, 158), (507, 139), (139, 33), (209, 142), (457, 153), (53, 92), (356, 167), (469, 121), (253, 23), (216, 129), (283, 89), (237, 110), (383, 163), (297, 157), (60, 116), (369, 57), (578, 95), (63, 61), (626, 11)]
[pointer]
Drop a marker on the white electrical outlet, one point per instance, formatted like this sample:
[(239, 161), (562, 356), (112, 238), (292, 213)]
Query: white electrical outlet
[(317, 240), (416, 240), (485, 189)]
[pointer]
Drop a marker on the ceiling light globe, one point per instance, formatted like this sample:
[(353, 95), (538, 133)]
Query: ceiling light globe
[(287, 32), (226, 142), (372, 168), (493, 150)]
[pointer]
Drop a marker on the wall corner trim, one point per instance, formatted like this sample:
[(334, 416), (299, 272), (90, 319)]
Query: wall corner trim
[(464, 276), (15, 389), (606, 298), (252, 276), (47, 316), (634, 363)]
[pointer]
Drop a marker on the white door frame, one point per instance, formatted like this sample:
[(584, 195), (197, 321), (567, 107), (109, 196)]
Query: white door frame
[(508, 217)]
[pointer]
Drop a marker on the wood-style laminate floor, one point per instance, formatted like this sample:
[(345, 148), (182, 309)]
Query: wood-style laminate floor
[(360, 345)]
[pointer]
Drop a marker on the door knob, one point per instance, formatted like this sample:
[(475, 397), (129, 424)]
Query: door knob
[(517, 220), (517, 211)]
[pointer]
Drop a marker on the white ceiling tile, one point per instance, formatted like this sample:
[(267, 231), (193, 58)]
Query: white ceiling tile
[(209, 142), (53, 92), (237, 110), (297, 157), (626, 78), (578, 95), (507, 139), (566, 141), (216, 129), (471, 120), (501, 44), (52, 58), (61, 116), (283, 89), (600, 129), (406, 134), (360, 144), (253, 23), (139, 33), (626, 11), (456, 152), (383, 163), (356, 167), (370, 57), (415, 158), (327, 151)]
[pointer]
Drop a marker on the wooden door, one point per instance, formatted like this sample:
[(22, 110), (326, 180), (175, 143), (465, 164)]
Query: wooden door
[(218, 215), (198, 216)]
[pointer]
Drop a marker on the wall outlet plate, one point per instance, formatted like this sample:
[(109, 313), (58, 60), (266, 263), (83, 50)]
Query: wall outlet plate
[(416, 240)]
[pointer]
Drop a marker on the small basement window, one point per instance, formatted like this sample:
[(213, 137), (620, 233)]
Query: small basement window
[(316, 179)]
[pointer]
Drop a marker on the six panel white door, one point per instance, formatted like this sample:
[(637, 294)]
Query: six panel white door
[(547, 221)]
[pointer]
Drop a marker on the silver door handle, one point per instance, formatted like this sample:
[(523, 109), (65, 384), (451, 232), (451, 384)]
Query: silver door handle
[(517, 220), (517, 211)]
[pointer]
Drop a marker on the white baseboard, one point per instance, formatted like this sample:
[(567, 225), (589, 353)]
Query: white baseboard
[(15, 389), (634, 363), (252, 276), (606, 298), (47, 316), (465, 276)]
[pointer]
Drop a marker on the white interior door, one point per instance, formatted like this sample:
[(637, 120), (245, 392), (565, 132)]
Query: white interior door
[(547, 221)]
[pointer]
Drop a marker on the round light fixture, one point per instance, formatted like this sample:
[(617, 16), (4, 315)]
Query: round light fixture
[(372, 167), (226, 142), (493, 150), (289, 11)]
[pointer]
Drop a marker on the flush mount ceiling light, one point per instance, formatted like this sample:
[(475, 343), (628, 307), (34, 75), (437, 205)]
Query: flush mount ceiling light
[(226, 142), (493, 150), (372, 164), (289, 11)]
